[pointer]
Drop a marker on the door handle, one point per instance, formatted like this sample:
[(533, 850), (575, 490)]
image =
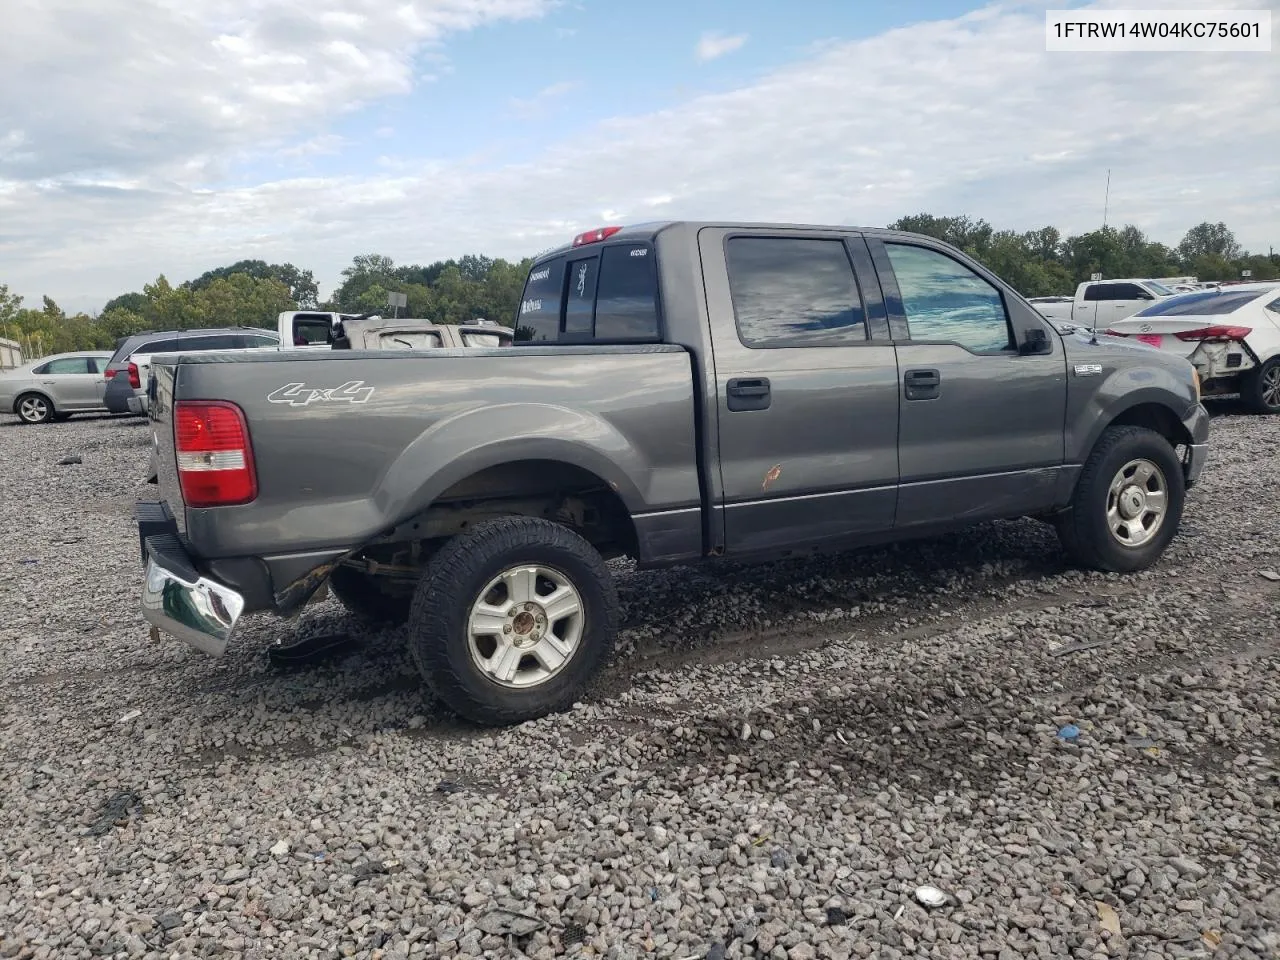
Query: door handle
[(748, 393), (922, 384)]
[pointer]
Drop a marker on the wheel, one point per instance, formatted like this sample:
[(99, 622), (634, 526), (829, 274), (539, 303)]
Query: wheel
[(1260, 390), (363, 596), (1127, 503), (512, 620), (34, 408)]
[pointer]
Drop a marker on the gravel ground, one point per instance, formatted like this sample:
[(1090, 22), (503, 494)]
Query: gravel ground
[(779, 756)]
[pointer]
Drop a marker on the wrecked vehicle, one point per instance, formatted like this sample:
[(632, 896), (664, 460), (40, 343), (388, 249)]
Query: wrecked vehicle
[(678, 391)]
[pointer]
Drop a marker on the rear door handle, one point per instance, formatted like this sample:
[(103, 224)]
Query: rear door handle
[(922, 384), (748, 393)]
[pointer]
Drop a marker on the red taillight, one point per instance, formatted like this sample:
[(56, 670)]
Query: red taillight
[(215, 458), (595, 236), (108, 374), (134, 380), (1215, 333)]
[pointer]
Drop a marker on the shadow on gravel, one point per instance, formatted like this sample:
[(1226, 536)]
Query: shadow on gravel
[(921, 737)]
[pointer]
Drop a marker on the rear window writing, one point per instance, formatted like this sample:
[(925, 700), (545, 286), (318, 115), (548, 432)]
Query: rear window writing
[(1210, 304), (538, 317), (603, 293)]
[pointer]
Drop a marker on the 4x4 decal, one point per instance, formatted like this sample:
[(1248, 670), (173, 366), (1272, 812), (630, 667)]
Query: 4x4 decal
[(300, 395)]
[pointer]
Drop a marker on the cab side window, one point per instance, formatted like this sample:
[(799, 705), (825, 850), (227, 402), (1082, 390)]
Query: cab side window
[(794, 292), (947, 302)]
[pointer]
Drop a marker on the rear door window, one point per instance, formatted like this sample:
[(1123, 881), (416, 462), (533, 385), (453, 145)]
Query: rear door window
[(794, 292), (158, 346), (65, 365), (538, 318)]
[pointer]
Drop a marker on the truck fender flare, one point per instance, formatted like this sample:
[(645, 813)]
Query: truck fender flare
[(1107, 417), (448, 453), (1109, 405)]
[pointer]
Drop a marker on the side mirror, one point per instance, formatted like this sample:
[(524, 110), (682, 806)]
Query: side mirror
[(1034, 341)]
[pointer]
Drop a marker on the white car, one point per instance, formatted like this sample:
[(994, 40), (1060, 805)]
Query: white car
[(1231, 335)]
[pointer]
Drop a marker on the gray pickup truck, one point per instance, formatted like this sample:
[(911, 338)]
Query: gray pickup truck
[(678, 391)]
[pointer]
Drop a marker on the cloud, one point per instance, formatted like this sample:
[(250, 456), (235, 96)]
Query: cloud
[(538, 104), (174, 87), (714, 45), (937, 124)]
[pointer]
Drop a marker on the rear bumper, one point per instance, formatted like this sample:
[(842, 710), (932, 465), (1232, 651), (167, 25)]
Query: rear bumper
[(116, 397), (138, 404), (176, 598)]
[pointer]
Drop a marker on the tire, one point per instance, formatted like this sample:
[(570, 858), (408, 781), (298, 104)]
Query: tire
[(1260, 390), (363, 597), (483, 675), (1115, 502), (33, 408)]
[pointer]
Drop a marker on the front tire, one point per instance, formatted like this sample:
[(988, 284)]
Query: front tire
[(512, 620), (34, 408), (1127, 503), (1261, 388)]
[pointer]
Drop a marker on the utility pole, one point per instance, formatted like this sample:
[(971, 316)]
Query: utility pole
[(1106, 203)]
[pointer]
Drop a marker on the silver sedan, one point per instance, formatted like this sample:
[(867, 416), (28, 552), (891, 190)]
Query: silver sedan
[(53, 388)]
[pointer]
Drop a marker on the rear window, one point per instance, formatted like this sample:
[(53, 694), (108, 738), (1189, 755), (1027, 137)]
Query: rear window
[(604, 294), (410, 340), (1209, 304), (483, 340)]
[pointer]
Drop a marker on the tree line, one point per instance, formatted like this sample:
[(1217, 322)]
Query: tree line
[(252, 292), (1042, 262)]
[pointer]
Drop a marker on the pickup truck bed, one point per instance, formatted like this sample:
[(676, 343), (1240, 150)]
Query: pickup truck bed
[(680, 391)]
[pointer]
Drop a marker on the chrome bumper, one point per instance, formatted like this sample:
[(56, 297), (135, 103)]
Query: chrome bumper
[(176, 597), (200, 612), (1197, 454)]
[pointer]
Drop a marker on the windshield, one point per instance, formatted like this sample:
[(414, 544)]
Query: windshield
[(1159, 288)]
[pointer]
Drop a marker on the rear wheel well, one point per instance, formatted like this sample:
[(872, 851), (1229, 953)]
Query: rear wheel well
[(544, 489), (1157, 417)]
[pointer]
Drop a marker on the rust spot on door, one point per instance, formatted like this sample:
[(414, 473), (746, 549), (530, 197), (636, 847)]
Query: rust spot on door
[(774, 473)]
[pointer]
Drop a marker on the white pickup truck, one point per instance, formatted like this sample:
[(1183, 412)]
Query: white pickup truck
[(1098, 303)]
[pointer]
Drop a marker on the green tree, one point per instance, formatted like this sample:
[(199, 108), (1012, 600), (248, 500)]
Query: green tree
[(301, 283), (1209, 239), (133, 302)]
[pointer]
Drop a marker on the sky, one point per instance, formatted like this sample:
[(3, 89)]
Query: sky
[(141, 137)]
